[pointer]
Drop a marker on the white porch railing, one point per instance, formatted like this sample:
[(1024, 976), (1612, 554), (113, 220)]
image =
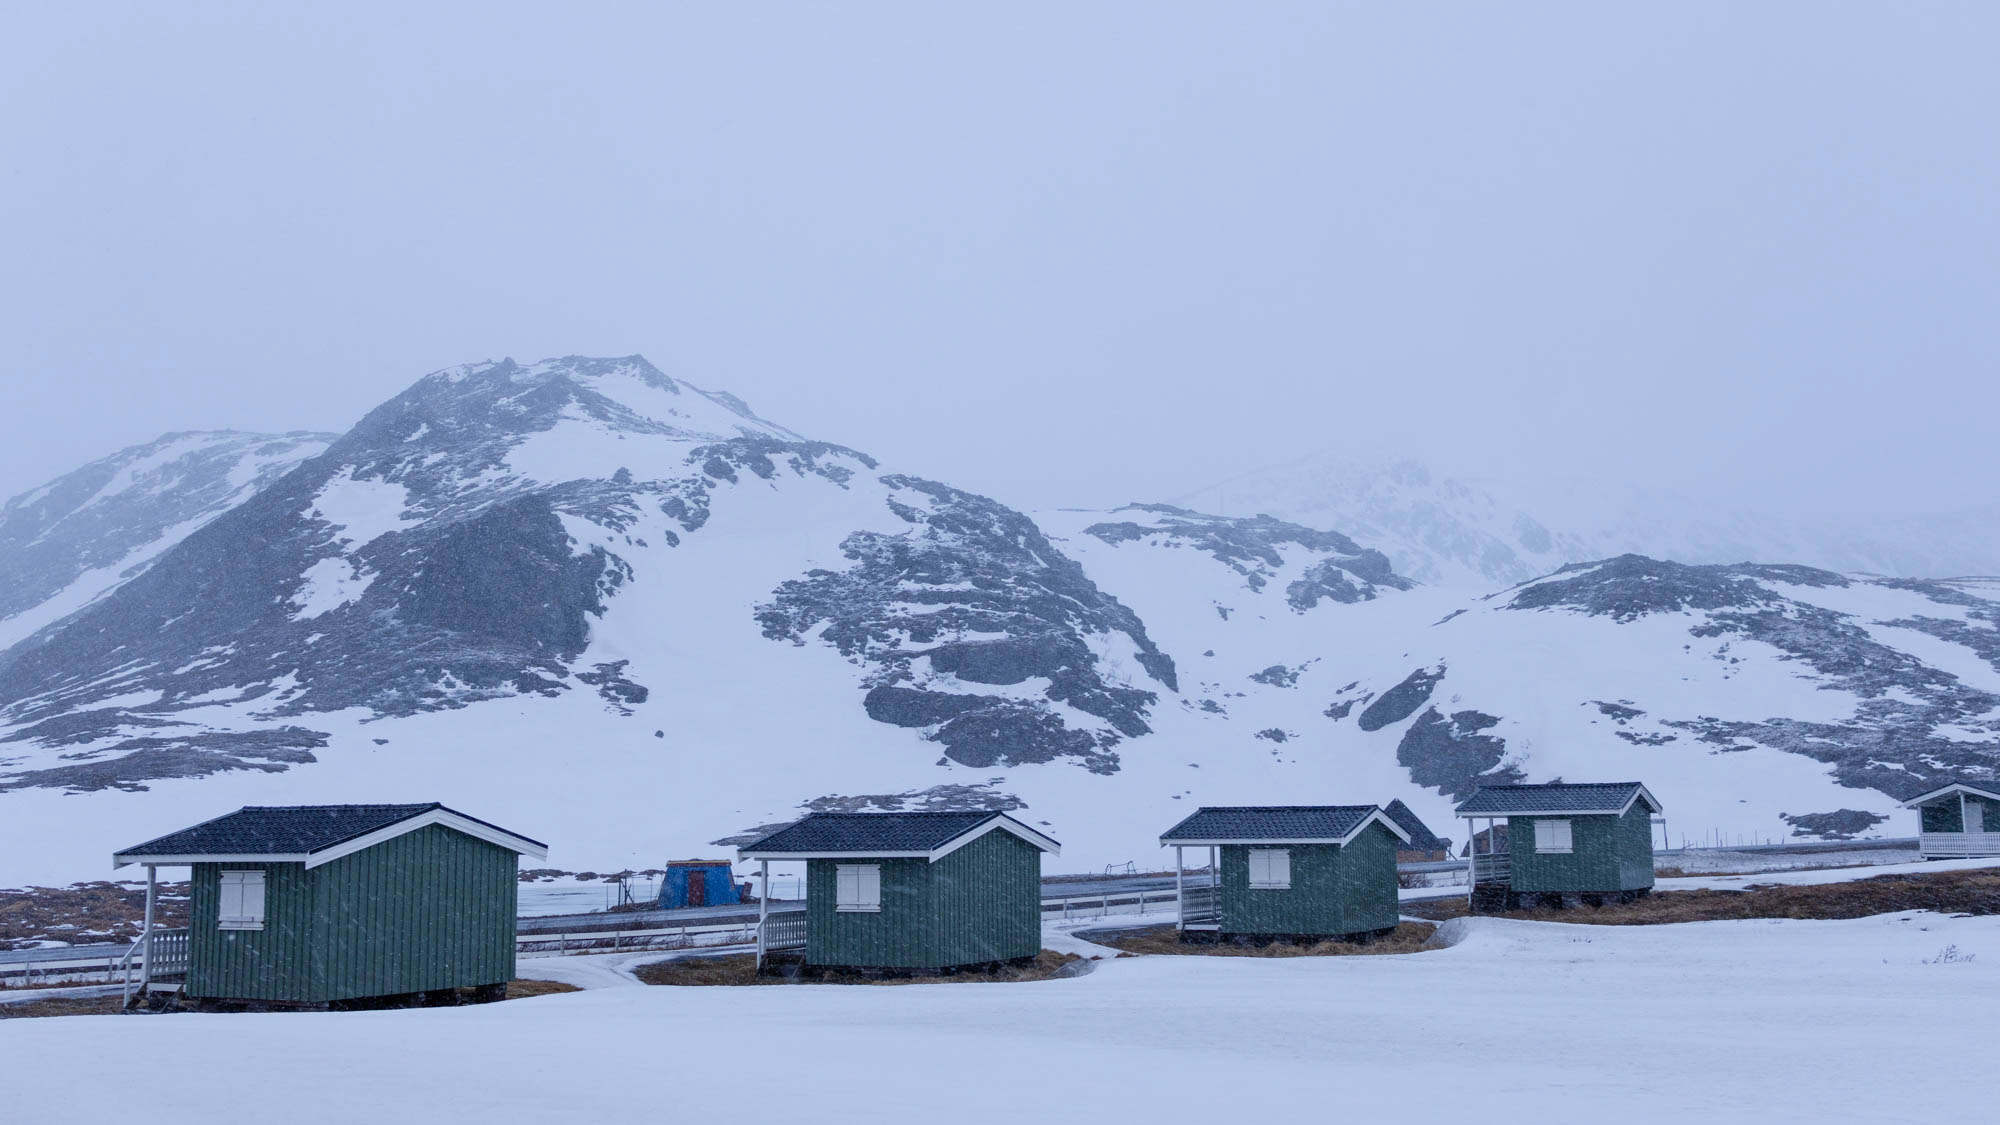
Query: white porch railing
[(1198, 905), (1958, 845), (785, 931), (1495, 868)]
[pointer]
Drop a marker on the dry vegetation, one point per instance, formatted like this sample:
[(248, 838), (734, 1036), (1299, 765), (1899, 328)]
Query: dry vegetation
[(1947, 892), (61, 1006), (742, 969), (1409, 937), (84, 913), (522, 989)]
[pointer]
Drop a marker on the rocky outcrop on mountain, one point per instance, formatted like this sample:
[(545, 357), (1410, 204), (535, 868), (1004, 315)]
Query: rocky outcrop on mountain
[(1342, 570), (466, 539), (975, 598), (83, 534)]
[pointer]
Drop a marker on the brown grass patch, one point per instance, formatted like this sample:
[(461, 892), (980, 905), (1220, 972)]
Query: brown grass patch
[(1408, 937), (85, 913), (522, 989), (62, 1006), (741, 969), (1947, 892)]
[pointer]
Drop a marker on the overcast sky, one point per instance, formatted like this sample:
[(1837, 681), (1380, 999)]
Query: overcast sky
[(1742, 254)]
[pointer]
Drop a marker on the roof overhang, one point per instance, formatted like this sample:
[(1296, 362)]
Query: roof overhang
[(122, 860), (457, 822), (1001, 823), (1376, 817), (1954, 787)]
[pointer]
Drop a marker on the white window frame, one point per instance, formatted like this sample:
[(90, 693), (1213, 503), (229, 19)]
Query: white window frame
[(857, 888), (1270, 869), (241, 900), (1554, 836)]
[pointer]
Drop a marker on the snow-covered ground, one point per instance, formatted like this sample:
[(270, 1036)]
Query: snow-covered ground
[(1717, 1021)]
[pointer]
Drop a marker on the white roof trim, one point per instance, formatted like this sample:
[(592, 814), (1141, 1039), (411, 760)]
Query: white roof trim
[(1641, 791), (743, 855), (520, 845), (1377, 815), (124, 860), (1954, 787), (1002, 823)]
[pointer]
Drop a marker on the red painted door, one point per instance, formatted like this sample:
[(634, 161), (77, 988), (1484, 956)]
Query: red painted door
[(697, 887)]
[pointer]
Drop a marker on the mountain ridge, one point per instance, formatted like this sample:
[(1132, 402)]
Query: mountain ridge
[(580, 589)]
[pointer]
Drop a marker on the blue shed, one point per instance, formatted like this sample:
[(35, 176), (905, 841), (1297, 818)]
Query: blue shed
[(698, 882)]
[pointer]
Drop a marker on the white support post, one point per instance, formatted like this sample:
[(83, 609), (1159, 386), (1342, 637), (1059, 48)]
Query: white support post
[(763, 907), (1471, 861), (1180, 891), (152, 893)]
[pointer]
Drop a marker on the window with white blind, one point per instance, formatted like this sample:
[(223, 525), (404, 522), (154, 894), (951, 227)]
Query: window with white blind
[(242, 902), (1552, 836), (857, 887), (1270, 869)]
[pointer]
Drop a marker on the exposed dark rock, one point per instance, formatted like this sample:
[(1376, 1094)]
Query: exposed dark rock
[(617, 690), (973, 567), (111, 509), (1451, 756), (1632, 586), (980, 797), (1254, 548), (1841, 824), (1277, 675), (1274, 734), (1622, 711), (1401, 701), (910, 707), (129, 764)]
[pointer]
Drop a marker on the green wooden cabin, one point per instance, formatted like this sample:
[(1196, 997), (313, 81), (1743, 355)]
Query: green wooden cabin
[(905, 892), (1565, 842), (1958, 821), (1288, 872), (322, 904)]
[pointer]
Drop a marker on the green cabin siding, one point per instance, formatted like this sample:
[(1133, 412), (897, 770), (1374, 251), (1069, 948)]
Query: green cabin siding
[(429, 909), (1607, 854), (1336, 889), (1942, 815), (274, 963), (981, 903)]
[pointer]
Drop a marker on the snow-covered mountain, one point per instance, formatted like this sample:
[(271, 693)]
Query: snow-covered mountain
[(631, 617), (71, 540)]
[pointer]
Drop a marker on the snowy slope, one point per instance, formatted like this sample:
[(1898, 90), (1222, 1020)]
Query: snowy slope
[(75, 538)]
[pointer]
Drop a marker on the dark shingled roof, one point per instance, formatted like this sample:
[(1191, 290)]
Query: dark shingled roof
[(1508, 800), (1270, 822), (1422, 839), (871, 832), (286, 829)]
